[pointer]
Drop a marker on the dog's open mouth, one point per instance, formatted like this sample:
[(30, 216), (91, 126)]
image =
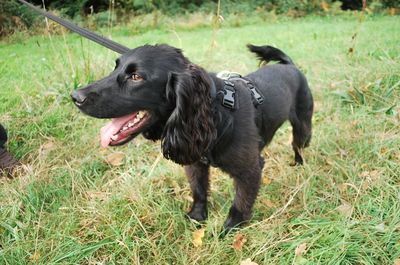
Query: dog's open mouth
[(121, 130)]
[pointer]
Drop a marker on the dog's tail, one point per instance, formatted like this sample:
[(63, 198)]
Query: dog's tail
[(269, 53)]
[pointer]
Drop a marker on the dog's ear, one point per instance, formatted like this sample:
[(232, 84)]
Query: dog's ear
[(190, 129)]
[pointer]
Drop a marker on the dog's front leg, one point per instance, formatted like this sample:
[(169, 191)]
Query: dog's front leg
[(246, 186), (198, 178)]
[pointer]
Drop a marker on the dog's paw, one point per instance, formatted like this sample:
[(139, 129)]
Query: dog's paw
[(234, 220), (295, 163), (230, 225), (198, 212)]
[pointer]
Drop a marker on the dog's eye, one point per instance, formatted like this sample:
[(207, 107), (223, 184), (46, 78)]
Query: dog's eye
[(136, 77)]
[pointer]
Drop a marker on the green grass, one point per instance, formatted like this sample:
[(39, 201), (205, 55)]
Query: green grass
[(70, 207)]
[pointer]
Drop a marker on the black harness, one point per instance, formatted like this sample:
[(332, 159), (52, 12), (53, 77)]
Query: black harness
[(229, 101), (229, 90)]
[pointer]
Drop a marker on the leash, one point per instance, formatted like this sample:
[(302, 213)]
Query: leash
[(112, 45)]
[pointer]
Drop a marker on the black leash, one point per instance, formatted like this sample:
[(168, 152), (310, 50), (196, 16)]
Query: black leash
[(112, 45)]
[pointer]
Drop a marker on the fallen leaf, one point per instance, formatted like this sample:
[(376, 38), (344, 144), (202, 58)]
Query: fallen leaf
[(266, 181), (345, 209), (35, 257), (115, 159), (365, 184), (384, 150), (375, 174), (300, 249), (197, 237), (396, 261), (268, 203), (342, 187), (372, 174), (247, 262), (343, 153), (380, 228), (187, 197), (46, 148), (98, 195), (239, 241)]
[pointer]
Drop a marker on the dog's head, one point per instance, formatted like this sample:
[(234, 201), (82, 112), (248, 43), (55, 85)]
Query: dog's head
[(156, 91)]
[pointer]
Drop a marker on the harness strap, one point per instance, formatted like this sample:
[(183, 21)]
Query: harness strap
[(256, 95), (258, 98)]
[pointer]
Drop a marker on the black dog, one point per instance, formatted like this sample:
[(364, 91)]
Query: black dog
[(156, 91)]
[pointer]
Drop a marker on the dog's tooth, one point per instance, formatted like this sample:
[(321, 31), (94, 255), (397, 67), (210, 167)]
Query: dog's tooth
[(125, 128), (140, 114), (114, 137), (136, 120), (130, 124)]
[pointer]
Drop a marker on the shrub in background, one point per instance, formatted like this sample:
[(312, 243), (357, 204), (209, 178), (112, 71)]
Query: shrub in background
[(14, 16)]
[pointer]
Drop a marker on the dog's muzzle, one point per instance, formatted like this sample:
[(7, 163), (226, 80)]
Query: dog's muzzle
[(78, 98)]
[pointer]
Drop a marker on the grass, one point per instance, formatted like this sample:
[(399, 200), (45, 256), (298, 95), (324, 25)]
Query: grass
[(69, 206)]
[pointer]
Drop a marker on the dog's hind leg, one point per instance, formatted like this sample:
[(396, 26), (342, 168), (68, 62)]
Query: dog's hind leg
[(198, 178), (302, 129), (301, 138)]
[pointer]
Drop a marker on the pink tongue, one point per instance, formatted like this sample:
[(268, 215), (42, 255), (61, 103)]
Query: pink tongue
[(113, 127)]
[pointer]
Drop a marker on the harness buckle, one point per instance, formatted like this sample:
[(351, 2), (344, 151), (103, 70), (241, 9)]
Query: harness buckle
[(229, 95), (257, 96)]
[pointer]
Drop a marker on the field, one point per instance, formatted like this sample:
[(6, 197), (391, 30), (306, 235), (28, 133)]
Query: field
[(76, 203)]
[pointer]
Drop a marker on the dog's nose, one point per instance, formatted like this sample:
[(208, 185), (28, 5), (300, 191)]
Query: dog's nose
[(78, 98)]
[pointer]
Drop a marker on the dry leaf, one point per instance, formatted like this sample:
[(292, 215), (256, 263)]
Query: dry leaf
[(35, 257), (266, 181), (396, 261), (197, 237), (380, 228), (239, 241), (372, 174), (345, 209), (365, 185), (343, 153), (98, 195), (115, 159), (247, 262), (342, 187), (46, 148), (268, 203), (300, 249)]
